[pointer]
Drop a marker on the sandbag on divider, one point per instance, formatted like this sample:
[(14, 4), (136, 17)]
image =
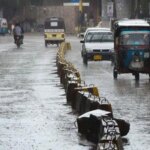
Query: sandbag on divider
[(68, 46), (100, 129), (89, 88), (80, 100), (62, 74), (83, 106), (109, 127), (86, 99), (88, 102), (75, 92), (57, 60), (102, 126), (70, 90), (83, 88), (124, 126), (105, 105), (62, 50), (63, 77), (100, 103), (110, 138), (64, 46), (70, 76), (114, 144), (72, 69), (61, 65), (92, 130)]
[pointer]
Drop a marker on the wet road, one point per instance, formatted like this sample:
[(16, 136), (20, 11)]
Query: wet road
[(33, 110), (130, 100)]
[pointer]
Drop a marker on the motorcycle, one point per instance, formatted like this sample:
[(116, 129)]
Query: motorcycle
[(19, 41)]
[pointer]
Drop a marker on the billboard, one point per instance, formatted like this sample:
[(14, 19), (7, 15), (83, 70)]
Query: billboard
[(75, 1), (110, 9)]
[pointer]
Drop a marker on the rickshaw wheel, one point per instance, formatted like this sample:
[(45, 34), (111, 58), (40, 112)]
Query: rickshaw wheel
[(115, 74), (137, 76)]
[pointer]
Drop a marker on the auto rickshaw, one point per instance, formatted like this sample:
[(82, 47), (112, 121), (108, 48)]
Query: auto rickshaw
[(132, 47), (3, 26), (54, 31)]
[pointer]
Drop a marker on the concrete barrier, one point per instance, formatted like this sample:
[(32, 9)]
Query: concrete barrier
[(99, 127), (110, 137), (80, 98), (101, 103), (84, 101), (70, 76), (106, 131), (113, 144), (89, 88), (70, 90)]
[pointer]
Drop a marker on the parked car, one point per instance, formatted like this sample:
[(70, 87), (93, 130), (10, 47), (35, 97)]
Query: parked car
[(95, 29), (97, 45)]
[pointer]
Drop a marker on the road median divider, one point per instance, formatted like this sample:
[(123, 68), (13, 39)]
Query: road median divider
[(104, 129)]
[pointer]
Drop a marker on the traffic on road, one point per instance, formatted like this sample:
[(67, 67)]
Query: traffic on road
[(129, 98), (34, 109)]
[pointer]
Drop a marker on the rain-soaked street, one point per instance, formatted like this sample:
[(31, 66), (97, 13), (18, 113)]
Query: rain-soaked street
[(33, 110), (130, 100)]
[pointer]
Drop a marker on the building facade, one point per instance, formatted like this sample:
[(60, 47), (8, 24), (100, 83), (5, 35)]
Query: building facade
[(98, 10), (117, 9)]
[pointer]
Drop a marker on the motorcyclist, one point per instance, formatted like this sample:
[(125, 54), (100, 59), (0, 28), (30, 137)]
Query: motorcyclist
[(18, 31)]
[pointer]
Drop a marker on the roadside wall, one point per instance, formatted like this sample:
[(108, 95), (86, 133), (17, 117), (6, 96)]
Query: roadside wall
[(123, 10), (69, 13)]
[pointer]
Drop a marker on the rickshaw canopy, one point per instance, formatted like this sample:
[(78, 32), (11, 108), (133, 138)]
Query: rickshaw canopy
[(54, 23), (131, 23)]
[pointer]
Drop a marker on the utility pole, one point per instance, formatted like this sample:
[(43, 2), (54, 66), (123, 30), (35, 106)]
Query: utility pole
[(114, 11), (80, 16), (81, 5)]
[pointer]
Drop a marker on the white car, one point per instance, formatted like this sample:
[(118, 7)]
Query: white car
[(82, 34), (97, 45), (96, 29)]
